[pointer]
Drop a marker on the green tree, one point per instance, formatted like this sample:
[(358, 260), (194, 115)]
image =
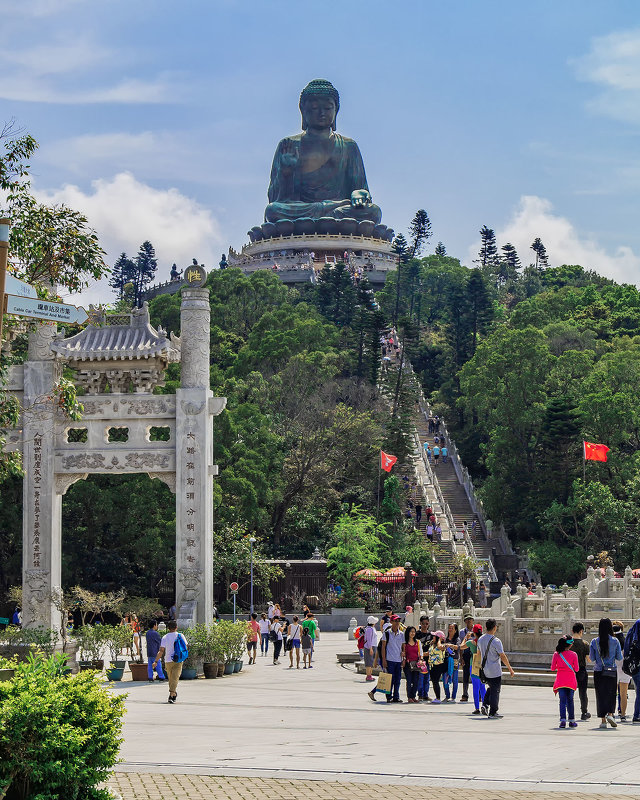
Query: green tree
[(146, 265), (440, 250), (357, 542), (419, 232), (542, 260), (123, 272)]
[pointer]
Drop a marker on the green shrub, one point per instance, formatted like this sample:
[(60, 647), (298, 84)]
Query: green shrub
[(59, 737)]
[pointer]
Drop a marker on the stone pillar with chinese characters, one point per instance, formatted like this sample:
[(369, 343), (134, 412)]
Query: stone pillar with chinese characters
[(195, 409), (42, 513)]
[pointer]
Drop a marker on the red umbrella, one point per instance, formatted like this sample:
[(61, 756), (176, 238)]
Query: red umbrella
[(367, 574), (400, 571)]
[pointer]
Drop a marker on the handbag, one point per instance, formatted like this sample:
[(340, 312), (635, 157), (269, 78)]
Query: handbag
[(384, 682), (607, 672), (483, 677), (413, 666)]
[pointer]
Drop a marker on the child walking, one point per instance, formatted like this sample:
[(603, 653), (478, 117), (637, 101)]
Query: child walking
[(565, 664)]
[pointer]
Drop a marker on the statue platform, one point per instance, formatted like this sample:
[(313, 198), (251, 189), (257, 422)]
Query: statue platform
[(289, 256)]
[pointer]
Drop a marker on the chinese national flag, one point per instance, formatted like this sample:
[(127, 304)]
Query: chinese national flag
[(387, 461), (595, 452)]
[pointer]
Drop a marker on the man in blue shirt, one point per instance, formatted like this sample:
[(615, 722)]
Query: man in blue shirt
[(392, 642), (153, 646)]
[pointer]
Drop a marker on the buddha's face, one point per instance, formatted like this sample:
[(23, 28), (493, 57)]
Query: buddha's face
[(319, 112)]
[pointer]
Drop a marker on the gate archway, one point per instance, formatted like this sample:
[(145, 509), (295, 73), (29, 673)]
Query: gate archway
[(118, 362)]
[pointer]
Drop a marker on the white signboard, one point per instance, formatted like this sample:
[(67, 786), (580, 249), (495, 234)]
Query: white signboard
[(20, 288), (44, 309)]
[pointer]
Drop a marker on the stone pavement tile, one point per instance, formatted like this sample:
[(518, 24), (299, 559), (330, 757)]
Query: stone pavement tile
[(146, 786)]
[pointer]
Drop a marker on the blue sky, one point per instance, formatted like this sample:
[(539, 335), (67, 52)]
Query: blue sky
[(160, 120)]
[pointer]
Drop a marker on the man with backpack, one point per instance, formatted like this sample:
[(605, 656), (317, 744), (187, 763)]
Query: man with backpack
[(173, 648), (493, 657), (392, 641)]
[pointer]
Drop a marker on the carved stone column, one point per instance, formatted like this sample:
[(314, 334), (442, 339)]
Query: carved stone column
[(42, 506), (195, 409)]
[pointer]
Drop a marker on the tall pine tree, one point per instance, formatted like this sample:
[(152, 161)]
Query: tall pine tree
[(509, 265), (480, 308), (440, 250), (488, 254), (419, 232), (145, 269), (401, 249), (542, 259), (123, 272)]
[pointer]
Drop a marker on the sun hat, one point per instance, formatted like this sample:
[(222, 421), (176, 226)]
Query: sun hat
[(372, 620), (394, 617), (469, 616), (441, 634)]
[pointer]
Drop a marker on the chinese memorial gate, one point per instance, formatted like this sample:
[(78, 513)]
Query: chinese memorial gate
[(118, 362)]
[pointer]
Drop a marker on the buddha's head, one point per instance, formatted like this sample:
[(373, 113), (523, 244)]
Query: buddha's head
[(319, 105)]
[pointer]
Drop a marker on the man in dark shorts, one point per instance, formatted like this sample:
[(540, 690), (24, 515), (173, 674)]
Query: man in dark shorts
[(581, 649)]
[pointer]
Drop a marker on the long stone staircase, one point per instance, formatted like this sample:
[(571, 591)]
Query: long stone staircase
[(455, 495)]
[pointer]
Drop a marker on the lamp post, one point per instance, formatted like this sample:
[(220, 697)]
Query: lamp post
[(4, 257), (251, 541)]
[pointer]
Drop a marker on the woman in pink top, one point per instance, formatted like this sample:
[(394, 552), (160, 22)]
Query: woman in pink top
[(565, 664)]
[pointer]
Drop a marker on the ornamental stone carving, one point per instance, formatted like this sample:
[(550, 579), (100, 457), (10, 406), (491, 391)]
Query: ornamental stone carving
[(83, 460), (146, 460), (190, 578), (192, 409), (63, 482), (166, 477), (194, 320)]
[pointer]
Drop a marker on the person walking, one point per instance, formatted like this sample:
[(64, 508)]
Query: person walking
[(436, 455), (632, 659), (444, 452), (392, 641), (427, 451), (294, 637), (271, 610), (450, 676), (276, 637), (411, 654), (565, 664), (369, 646), (264, 634), (167, 651), (604, 651), (306, 643), (310, 625), (623, 679), (423, 635), (482, 595), (470, 645), (466, 655), (252, 638), (436, 662), (418, 510), (153, 646), (581, 649), (493, 656)]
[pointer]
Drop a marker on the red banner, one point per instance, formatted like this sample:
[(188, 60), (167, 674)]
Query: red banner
[(387, 461), (595, 452)]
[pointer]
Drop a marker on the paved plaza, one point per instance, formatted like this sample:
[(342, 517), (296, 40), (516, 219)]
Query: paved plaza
[(270, 731)]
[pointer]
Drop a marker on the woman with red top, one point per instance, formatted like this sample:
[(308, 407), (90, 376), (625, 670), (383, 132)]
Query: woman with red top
[(565, 664), (411, 654)]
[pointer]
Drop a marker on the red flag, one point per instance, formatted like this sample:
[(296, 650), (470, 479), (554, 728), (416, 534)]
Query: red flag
[(595, 452), (387, 461)]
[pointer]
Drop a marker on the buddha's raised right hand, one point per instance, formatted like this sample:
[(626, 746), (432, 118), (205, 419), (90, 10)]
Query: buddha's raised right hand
[(289, 155)]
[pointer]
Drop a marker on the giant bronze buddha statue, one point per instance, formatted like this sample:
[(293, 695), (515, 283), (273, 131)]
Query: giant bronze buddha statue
[(318, 177)]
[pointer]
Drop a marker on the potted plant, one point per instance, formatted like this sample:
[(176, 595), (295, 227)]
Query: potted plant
[(239, 643), (85, 638), (116, 638), (199, 648), (190, 664)]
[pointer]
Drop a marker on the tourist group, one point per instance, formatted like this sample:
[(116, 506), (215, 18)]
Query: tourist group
[(432, 660)]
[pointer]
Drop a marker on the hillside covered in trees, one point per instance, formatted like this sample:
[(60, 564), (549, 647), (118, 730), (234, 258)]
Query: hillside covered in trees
[(525, 364)]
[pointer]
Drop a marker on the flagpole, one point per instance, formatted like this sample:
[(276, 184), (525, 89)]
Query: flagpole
[(584, 462), (379, 474)]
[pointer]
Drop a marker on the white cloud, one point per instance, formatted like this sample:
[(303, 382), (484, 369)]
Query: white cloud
[(33, 89), (534, 216), (35, 8), (57, 58), (126, 212), (614, 63)]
